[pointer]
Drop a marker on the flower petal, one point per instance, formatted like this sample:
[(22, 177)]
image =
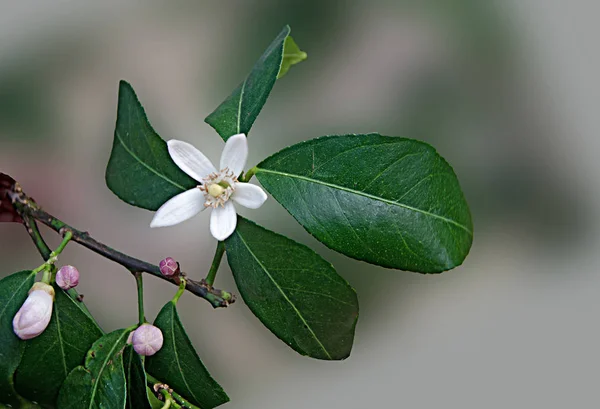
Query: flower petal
[(235, 154), (179, 208), (250, 196), (223, 221), (190, 160)]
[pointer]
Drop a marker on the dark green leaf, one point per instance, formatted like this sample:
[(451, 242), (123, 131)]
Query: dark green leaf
[(140, 170), (292, 55), (239, 111), (101, 383), (50, 357), (13, 292), (136, 380), (178, 365), (389, 201), (293, 291)]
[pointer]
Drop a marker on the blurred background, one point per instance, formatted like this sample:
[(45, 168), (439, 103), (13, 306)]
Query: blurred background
[(506, 91)]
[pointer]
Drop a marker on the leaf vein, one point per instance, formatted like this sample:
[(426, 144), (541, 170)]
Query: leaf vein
[(286, 298), (370, 196)]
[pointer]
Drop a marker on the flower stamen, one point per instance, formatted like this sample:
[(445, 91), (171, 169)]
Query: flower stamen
[(218, 188)]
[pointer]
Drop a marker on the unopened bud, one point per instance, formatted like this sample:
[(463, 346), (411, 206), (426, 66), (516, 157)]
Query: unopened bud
[(67, 277), (169, 267), (35, 313), (147, 340)]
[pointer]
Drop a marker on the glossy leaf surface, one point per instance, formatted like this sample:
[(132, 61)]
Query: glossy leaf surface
[(101, 383), (239, 111), (295, 292), (13, 292), (51, 356), (178, 365), (140, 171), (389, 201)]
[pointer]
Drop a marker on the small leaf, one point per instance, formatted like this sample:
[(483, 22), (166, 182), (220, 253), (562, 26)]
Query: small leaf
[(295, 292), (136, 380), (7, 211), (178, 365), (239, 111), (292, 55), (389, 201), (140, 171), (101, 383), (13, 292), (51, 356)]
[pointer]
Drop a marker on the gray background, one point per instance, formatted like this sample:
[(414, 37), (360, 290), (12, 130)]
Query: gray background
[(507, 91)]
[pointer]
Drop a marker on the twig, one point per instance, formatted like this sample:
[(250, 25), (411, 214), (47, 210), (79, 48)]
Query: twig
[(30, 211)]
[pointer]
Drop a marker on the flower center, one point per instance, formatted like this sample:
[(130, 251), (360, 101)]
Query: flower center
[(215, 190), (218, 188)]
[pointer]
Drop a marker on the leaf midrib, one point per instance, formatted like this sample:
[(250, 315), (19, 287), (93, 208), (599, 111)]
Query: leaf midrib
[(108, 357), (370, 196), (177, 355), (144, 164), (285, 296)]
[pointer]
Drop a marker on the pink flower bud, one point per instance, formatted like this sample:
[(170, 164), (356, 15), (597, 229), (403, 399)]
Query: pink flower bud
[(67, 277), (169, 267), (147, 340), (35, 313)]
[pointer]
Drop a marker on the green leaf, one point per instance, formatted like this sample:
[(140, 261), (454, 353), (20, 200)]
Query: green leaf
[(293, 291), (389, 201), (140, 171), (153, 400), (51, 356), (178, 365), (13, 292), (136, 380), (292, 55), (101, 383), (239, 111)]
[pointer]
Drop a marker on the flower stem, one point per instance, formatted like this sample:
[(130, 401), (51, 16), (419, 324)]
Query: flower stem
[(140, 294), (214, 267), (245, 178), (68, 235), (47, 275), (180, 291)]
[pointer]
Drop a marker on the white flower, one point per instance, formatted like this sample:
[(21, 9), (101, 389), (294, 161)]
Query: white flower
[(215, 189), (35, 313)]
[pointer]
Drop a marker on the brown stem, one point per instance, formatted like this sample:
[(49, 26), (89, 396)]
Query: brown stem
[(30, 212)]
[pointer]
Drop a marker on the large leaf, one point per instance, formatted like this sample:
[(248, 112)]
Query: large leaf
[(389, 201), (293, 291), (136, 380), (13, 292), (140, 170), (50, 357), (101, 383), (239, 111), (178, 365)]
